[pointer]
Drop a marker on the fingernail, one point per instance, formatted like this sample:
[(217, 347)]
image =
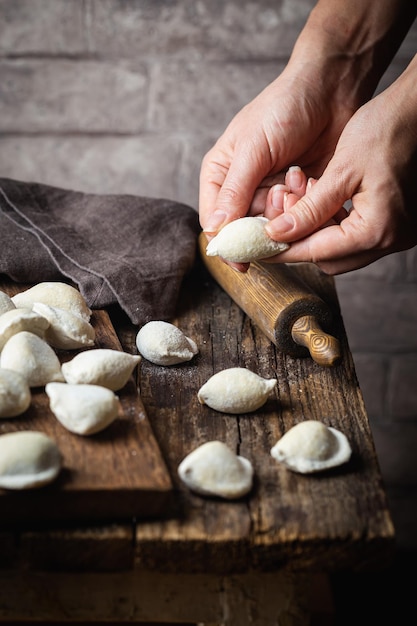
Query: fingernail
[(280, 225), (215, 221), (310, 183), (277, 195), (295, 176)]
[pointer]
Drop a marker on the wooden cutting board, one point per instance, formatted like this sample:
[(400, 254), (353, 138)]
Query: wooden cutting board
[(116, 474)]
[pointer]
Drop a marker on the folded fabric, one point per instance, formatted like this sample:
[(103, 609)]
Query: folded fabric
[(125, 249)]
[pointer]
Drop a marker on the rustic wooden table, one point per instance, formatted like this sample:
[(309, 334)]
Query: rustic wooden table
[(252, 561)]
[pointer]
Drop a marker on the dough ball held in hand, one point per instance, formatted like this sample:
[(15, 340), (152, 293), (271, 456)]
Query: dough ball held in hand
[(163, 343), (244, 240)]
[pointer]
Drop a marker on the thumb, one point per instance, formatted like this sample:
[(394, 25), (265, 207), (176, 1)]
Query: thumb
[(322, 201)]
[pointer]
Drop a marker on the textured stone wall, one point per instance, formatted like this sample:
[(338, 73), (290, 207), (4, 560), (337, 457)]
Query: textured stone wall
[(127, 95)]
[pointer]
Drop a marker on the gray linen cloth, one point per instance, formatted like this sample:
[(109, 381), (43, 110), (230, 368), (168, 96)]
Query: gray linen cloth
[(125, 249)]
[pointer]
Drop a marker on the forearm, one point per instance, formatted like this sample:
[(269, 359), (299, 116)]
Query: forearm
[(400, 103), (352, 43)]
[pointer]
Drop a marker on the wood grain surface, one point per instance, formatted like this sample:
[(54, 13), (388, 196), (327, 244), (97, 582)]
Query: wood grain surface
[(116, 474), (336, 519)]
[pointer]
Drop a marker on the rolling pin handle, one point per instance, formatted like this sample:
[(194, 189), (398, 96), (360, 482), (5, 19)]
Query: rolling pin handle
[(324, 348)]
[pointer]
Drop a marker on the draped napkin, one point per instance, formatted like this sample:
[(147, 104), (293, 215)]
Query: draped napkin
[(125, 249)]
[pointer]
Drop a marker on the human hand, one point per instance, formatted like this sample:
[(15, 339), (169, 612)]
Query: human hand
[(374, 167), (299, 119), (293, 120)]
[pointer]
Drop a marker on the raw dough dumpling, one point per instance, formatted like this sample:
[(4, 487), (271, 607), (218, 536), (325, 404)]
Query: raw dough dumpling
[(244, 240), (311, 446), (28, 459), (163, 343), (32, 357), (55, 294), (213, 469), (236, 390), (101, 366), (66, 331), (6, 303), (15, 393), (18, 319), (83, 409)]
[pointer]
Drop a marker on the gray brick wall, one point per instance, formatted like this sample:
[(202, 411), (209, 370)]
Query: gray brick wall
[(127, 95)]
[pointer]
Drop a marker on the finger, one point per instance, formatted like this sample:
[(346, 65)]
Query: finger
[(333, 267), (261, 199), (274, 203), (259, 202), (239, 267), (235, 195), (310, 183), (296, 183), (290, 200), (309, 213), (349, 263), (340, 215), (337, 248), (212, 176), (296, 180), (279, 200)]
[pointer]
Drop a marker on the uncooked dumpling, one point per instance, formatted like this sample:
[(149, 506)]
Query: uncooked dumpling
[(101, 366), (6, 303), (244, 240), (311, 446), (15, 393), (55, 294), (28, 459), (83, 409), (163, 343), (66, 331), (215, 470), (18, 319), (236, 390), (32, 357)]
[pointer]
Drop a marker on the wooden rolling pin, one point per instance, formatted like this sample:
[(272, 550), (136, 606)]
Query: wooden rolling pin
[(284, 308)]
